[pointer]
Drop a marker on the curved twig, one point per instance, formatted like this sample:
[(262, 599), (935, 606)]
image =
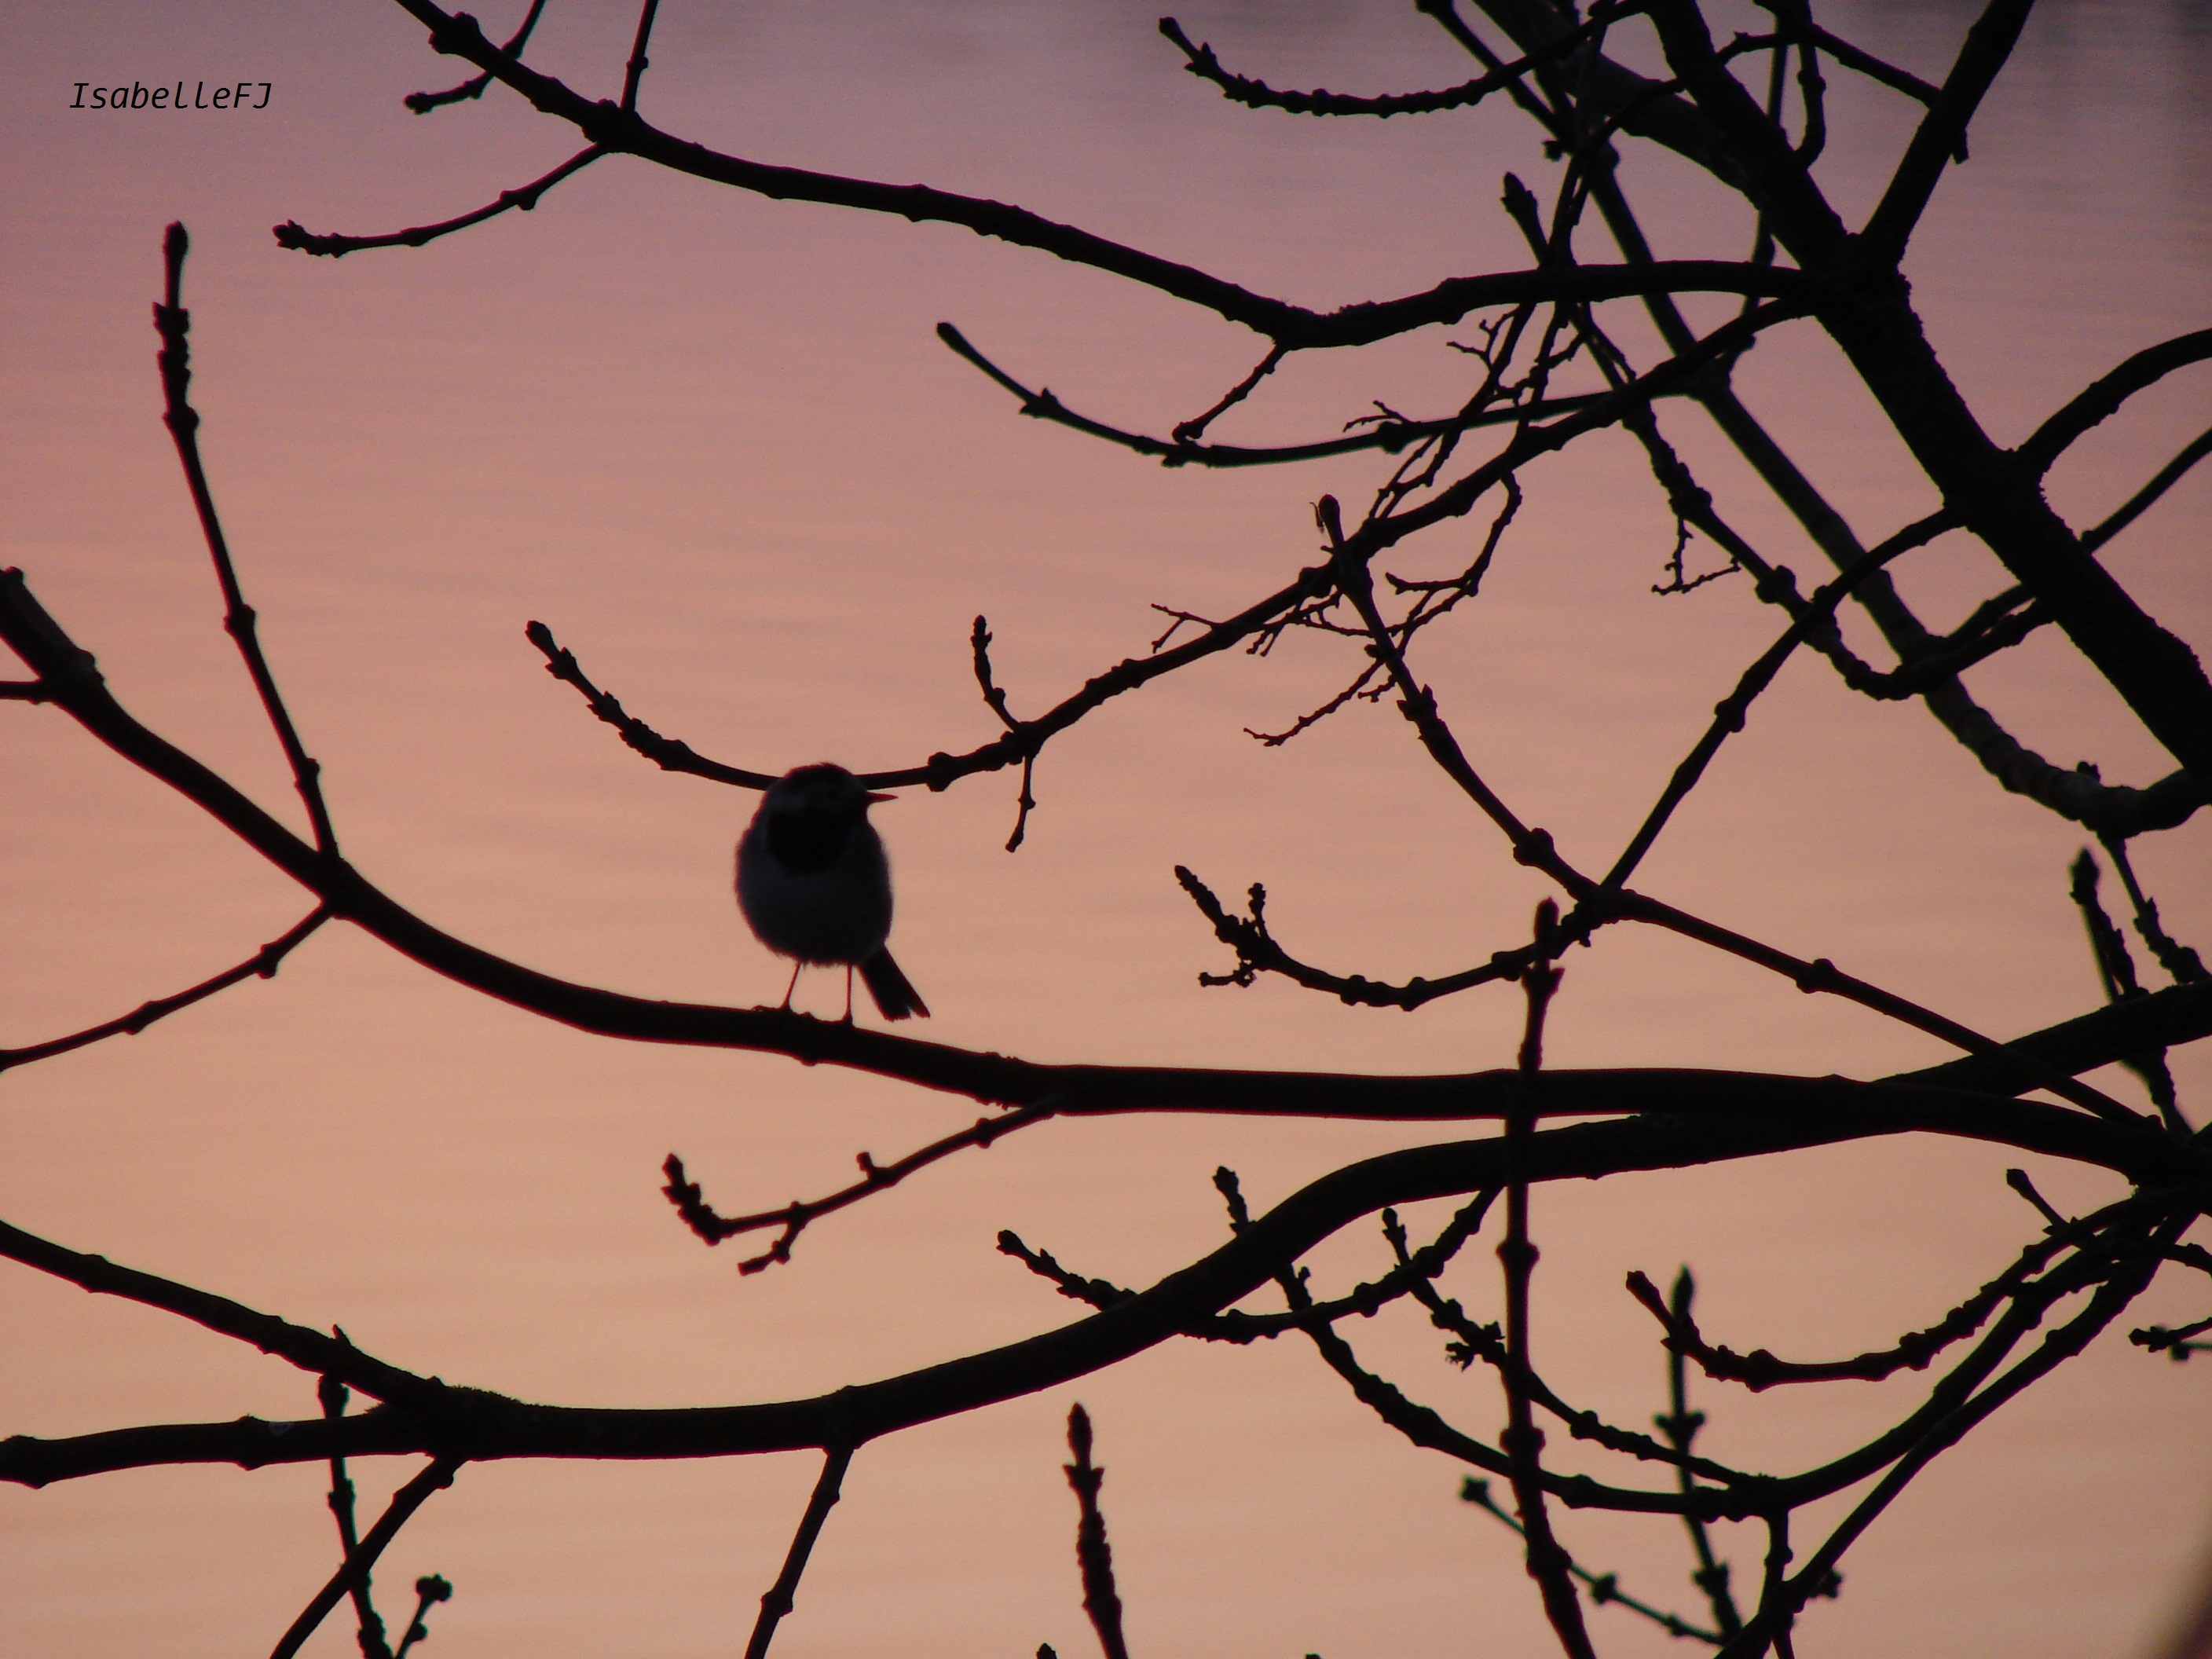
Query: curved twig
[(1020, 745), (1257, 94), (2102, 397), (1387, 436), (613, 129), (263, 962), (291, 235), (1915, 1351), (430, 1416)]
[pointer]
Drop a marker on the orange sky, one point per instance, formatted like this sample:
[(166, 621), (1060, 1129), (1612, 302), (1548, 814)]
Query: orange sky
[(712, 442)]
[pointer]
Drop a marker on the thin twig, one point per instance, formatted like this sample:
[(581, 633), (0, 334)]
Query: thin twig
[(1523, 1441), (795, 1217), (263, 962), (423, 102), (1390, 435), (291, 235), (360, 1562), (2116, 966), (778, 1600), (1604, 1587), (1190, 431), (1257, 94), (429, 1589), (980, 644), (2182, 964), (638, 61), (173, 323), (2161, 481), (1914, 1351), (1093, 1555), (1681, 1425), (333, 1394)]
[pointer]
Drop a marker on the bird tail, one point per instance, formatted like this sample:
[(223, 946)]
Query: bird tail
[(896, 997)]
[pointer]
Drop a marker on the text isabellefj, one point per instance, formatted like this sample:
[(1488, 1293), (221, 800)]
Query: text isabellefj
[(138, 96)]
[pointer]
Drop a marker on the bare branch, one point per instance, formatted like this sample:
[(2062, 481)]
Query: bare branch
[(360, 1562), (1865, 63), (1387, 434), (615, 130), (795, 1217), (778, 1599), (2104, 396), (291, 234), (1190, 431), (1605, 1588), (465, 1424), (635, 72), (423, 102), (1915, 1351), (1523, 1441), (2165, 479), (333, 1394), (173, 323), (1257, 94), (942, 770), (262, 963), (1094, 1556), (2060, 1345), (1942, 134)]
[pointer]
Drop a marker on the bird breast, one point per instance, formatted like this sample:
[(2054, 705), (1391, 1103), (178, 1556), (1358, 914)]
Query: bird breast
[(814, 896)]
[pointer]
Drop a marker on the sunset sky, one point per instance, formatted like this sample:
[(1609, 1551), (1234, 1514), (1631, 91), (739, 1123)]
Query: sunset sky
[(712, 441)]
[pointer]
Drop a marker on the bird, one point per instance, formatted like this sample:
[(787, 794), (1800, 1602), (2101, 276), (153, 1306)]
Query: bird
[(815, 886)]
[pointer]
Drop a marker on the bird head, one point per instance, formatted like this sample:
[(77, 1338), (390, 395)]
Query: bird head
[(826, 789)]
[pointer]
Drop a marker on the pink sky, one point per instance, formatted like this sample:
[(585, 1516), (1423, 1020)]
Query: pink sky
[(712, 442)]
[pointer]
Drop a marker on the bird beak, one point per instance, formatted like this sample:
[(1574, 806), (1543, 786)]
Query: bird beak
[(875, 800)]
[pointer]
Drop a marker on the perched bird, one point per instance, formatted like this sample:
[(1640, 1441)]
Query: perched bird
[(815, 886)]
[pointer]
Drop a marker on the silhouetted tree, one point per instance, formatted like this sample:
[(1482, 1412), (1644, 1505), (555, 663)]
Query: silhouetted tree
[(1548, 368)]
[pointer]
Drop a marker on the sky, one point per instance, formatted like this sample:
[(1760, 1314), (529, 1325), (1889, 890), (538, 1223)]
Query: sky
[(712, 442)]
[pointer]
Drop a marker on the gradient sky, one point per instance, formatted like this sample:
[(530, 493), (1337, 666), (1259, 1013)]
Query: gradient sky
[(712, 442)]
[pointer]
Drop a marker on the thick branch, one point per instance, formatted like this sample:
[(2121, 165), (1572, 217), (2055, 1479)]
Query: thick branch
[(1942, 134), (477, 1426), (613, 129), (1868, 311), (988, 1077)]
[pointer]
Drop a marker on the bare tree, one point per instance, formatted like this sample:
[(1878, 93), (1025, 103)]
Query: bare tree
[(1556, 355)]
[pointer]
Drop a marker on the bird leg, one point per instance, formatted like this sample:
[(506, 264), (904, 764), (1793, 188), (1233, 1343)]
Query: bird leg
[(793, 986)]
